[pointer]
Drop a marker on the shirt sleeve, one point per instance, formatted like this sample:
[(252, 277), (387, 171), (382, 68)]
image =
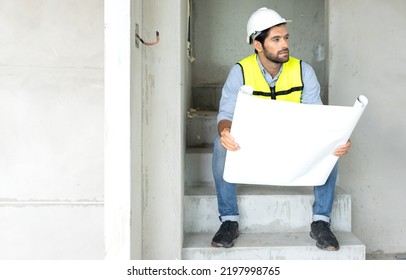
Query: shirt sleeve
[(229, 94), (311, 86)]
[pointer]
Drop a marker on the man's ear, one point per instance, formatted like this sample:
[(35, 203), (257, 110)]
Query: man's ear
[(257, 45)]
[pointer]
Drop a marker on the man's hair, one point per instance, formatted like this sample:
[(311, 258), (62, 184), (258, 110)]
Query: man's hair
[(262, 36)]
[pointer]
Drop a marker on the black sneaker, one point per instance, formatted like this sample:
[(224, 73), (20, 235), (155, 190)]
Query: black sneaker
[(320, 231), (225, 236)]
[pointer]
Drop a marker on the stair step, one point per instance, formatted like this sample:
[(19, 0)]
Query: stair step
[(201, 128), (272, 246), (263, 209), (206, 96), (198, 165)]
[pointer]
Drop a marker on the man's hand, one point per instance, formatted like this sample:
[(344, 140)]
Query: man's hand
[(227, 141), (343, 149)]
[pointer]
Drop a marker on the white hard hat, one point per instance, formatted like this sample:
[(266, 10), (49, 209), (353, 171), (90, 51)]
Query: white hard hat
[(262, 19)]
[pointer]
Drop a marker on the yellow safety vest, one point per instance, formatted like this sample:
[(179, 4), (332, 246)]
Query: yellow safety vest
[(288, 87)]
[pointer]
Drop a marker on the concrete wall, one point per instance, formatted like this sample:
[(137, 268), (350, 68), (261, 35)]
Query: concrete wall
[(367, 57), (146, 93), (161, 131), (51, 120), (118, 150)]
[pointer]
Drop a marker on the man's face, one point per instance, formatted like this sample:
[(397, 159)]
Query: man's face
[(276, 47)]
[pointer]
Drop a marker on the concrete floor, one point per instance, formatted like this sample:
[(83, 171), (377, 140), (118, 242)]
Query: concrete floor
[(382, 256)]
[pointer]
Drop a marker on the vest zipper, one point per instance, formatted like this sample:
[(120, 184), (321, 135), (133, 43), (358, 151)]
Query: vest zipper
[(273, 95)]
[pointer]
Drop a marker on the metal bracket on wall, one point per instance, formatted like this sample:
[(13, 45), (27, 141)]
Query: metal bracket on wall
[(138, 38)]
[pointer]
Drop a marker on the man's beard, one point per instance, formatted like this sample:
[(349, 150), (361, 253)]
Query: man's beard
[(276, 58)]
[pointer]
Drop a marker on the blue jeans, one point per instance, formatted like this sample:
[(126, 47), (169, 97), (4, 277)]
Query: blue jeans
[(227, 194)]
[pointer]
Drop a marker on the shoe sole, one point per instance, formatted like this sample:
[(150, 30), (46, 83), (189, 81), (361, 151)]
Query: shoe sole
[(326, 248), (221, 245)]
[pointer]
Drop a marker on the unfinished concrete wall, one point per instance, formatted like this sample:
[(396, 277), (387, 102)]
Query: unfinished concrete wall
[(162, 121), (51, 119), (367, 57)]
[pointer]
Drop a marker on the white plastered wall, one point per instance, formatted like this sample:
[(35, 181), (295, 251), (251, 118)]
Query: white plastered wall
[(51, 123), (367, 57)]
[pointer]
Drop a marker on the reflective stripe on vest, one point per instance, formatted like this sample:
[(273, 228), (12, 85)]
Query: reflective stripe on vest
[(288, 87)]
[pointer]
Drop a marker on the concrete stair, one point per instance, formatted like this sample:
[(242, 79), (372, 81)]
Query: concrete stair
[(263, 209), (271, 246), (274, 220)]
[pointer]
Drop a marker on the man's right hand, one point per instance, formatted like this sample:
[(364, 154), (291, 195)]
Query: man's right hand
[(227, 141)]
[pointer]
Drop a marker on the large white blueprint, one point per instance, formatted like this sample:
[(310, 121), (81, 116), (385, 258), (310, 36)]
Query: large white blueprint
[(286, 143)]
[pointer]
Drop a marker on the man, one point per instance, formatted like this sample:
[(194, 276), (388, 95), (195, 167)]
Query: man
[(274, 74)]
